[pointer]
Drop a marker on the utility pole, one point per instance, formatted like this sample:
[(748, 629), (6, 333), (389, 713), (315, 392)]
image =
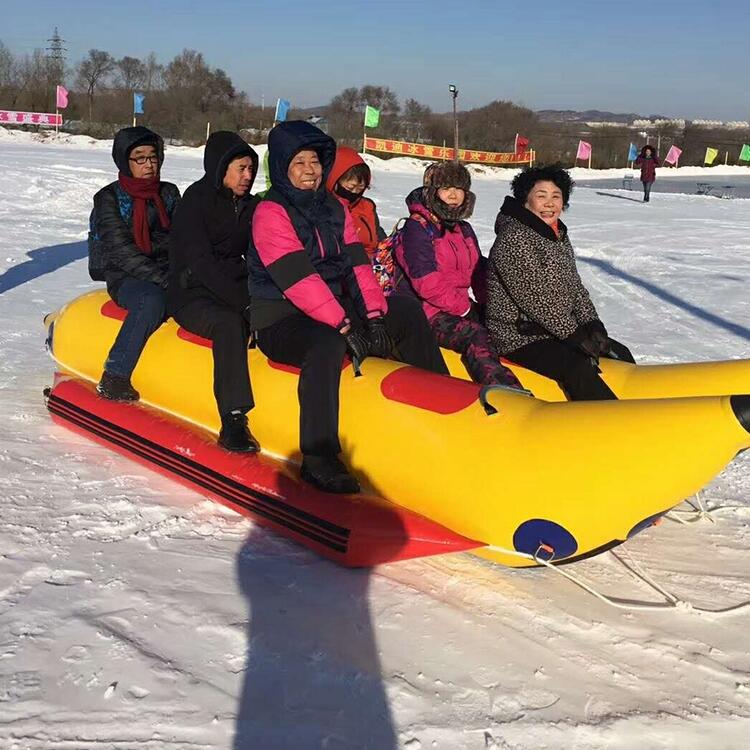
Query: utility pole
[(454, 92)]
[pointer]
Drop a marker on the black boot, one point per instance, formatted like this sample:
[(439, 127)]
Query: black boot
[(235, 435), (116, 388), (327, 473)]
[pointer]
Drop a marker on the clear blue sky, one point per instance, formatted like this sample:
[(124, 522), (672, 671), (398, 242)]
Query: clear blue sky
[(683, 58)]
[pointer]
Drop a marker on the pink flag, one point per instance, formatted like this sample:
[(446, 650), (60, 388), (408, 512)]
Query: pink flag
[(673, 155), (584, 150), (62, 97)]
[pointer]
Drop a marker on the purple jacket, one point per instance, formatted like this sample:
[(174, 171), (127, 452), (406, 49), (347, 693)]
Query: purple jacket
[(438, 260)]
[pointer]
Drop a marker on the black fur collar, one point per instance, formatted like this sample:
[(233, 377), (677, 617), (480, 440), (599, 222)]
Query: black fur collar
[(516, 210)]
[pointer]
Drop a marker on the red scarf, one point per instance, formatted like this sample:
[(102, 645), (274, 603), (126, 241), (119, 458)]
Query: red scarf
[(142, 190)]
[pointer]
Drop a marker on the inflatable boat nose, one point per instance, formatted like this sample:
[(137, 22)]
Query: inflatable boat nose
[(741, 409)]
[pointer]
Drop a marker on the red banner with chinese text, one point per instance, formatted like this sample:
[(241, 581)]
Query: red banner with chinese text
[(426, 151), (9, 117)]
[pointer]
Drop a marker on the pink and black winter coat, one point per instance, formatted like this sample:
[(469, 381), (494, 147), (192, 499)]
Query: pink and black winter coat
[(305, 255), (438, 258)]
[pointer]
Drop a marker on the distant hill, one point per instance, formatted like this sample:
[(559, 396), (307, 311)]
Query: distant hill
[(545, 115), (592, 115)]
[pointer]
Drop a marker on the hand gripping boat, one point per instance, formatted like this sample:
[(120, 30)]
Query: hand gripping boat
[(535, 479)]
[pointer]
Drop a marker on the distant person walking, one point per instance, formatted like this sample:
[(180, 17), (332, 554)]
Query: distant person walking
[(648, 161)]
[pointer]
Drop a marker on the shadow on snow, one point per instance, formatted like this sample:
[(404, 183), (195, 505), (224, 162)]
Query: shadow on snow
[(698, 312), (42, 261)]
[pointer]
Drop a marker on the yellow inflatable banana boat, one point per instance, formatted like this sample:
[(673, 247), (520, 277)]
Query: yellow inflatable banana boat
[(631, 381), (562, 480)]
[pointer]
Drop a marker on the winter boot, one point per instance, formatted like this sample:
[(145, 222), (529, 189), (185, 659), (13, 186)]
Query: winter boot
[(327, 473), (116, 388), (235, 435)]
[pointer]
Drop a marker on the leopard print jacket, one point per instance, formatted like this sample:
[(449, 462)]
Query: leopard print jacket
[(533, 286)]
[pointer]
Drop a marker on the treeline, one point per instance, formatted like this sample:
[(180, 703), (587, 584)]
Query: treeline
[(182, 96), (186, 93), (493, 127)]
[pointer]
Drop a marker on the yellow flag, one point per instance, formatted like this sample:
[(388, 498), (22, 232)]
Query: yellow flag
[(711, 154)]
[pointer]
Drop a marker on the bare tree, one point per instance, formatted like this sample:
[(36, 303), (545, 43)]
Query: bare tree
[(131, 73), (154, 71), (347, 109), (92, 72)]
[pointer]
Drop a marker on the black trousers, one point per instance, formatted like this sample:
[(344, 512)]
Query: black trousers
[(229, 333), (319, 351), (572, 369)]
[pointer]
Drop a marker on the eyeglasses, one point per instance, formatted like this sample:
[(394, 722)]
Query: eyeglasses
[(141, 160)]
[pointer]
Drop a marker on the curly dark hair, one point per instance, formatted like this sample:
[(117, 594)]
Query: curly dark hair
[(524, 181)]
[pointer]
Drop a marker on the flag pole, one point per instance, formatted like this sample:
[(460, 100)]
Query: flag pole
[(364, 139)]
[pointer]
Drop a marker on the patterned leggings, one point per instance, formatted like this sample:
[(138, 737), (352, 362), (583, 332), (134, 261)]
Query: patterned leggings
[(478, 354)]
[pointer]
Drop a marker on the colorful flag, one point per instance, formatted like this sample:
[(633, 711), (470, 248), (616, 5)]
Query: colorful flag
[(282, 110), (673, 155), (711, 154), (372, 117), (632, 152), (522, 144), (584, 150), (138, 100), (62, 97), (745, 153)]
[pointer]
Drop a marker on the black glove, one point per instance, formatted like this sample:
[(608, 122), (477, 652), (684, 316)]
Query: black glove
[(381, 343), (592, 338), (357, 345)]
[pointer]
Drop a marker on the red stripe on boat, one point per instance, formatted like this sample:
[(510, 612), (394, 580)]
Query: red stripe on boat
[(428, 391), (112, 310), (296, 370), (194, 338)]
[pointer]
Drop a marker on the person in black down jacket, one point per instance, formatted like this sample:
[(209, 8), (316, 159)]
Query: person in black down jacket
[(128, 248), (539, 313), (208, 291)]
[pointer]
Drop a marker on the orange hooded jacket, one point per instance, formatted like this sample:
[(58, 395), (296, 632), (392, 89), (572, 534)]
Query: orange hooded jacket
[(362, 210)]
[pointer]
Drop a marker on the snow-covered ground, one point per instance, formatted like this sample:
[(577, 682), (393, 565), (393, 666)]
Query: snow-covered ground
[(137, 614)]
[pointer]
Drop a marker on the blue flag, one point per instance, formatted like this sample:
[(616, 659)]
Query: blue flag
[(138, 100), (633, 152), (282, 110)]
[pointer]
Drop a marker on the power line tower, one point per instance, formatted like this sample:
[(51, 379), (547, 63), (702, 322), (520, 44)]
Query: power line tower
[(56, 55)]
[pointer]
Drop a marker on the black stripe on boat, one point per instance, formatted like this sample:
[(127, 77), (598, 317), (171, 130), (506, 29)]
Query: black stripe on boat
[(266, 506)]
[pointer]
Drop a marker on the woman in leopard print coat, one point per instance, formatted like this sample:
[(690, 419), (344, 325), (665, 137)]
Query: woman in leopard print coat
[(539, 313)]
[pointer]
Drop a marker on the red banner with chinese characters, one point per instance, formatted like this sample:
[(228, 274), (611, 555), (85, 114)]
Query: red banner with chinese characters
[(9, 117), (426, 151)]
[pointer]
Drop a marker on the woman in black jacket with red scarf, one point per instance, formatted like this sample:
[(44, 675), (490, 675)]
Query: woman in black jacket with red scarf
[(128, 248)]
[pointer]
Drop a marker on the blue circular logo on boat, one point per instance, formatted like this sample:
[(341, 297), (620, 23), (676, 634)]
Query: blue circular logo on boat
[(547, 539)]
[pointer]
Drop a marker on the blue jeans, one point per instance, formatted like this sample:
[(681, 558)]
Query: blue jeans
[(146, 306)]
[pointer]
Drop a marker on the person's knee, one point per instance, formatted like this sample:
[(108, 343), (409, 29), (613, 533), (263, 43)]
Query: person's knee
[(228, 325), (328, 347), (154, 306)]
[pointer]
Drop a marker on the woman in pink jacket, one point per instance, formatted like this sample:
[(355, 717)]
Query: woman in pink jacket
[(440, 257), (314, 296)]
